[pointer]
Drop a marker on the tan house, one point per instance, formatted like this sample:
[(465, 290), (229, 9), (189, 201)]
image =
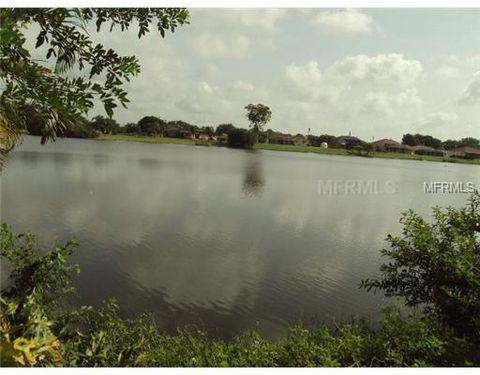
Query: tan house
[(466, 152), (287, 139), (389, 145), (425, 150)]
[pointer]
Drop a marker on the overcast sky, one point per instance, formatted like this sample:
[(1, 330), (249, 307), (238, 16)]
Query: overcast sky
[(376, 73)]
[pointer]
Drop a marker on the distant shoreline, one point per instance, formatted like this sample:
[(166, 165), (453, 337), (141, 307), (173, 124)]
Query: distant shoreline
[(287, 148)]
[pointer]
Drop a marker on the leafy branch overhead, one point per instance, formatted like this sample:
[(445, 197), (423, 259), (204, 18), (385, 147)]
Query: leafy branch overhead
[(95, 71)]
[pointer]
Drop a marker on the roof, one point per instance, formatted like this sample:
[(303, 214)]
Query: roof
[(467, 150), (284, 137), (423, 148), (386, 141), (299, 137)]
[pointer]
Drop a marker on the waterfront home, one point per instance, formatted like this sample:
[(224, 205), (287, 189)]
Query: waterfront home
[(389, 145), (178, 133), (466, 152), (287, 139), (348, 141), (281, 139), (425, 150), (203, 136), (300, 140)]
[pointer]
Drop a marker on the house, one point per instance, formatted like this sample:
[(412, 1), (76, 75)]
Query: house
[(222, 137), (281, 139), (178, 133), (203, 136), (425, 150), (348, 141), (299, 140), (466, 152), (389, 145), (186, 134)]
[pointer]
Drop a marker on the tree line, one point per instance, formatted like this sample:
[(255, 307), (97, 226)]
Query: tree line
[(237, 137), (427, 140)]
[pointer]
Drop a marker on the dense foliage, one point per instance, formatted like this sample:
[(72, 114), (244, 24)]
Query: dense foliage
[(60, 99), (104, 125), (469, 141), (241, 138), (258, 115), (316, 141), (435, 265), (151, 125), (427, 140)]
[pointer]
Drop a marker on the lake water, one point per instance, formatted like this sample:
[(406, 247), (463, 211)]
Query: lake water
[(218, 239)]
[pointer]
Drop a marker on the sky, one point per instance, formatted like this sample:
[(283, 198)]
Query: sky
[(377, 73)]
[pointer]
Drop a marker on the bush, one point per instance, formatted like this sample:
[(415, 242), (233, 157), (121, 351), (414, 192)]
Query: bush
[(241, 138), (436, 266)]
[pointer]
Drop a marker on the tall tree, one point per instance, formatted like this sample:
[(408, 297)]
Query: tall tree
[(104, 125), (133, 128), (224, 129), (409, 140), (469, 141), (151, 125), (450, 144), (61, 99), (258, 115)]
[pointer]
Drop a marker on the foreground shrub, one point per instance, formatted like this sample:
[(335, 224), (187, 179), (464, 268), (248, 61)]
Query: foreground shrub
[(437, 266)]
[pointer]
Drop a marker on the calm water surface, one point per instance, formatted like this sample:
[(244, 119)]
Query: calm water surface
[(214, 238)]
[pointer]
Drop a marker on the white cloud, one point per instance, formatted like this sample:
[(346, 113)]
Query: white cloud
[(235, 34), (471, 95), (384, 68), (349, 21), (463, 61), (309, 83), (447, 72), (254, 19), (247, 20), (212, 45), (405, 104), (205, 87), (243, 86), (439, 121), (306, 82)]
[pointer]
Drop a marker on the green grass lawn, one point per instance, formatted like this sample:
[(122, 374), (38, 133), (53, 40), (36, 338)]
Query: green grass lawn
[(277, 147)]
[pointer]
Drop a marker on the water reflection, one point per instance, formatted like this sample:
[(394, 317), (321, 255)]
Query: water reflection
[(218, 238), (253, 180)]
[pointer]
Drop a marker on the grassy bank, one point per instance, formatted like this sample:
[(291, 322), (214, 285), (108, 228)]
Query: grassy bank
[(288, 148)]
